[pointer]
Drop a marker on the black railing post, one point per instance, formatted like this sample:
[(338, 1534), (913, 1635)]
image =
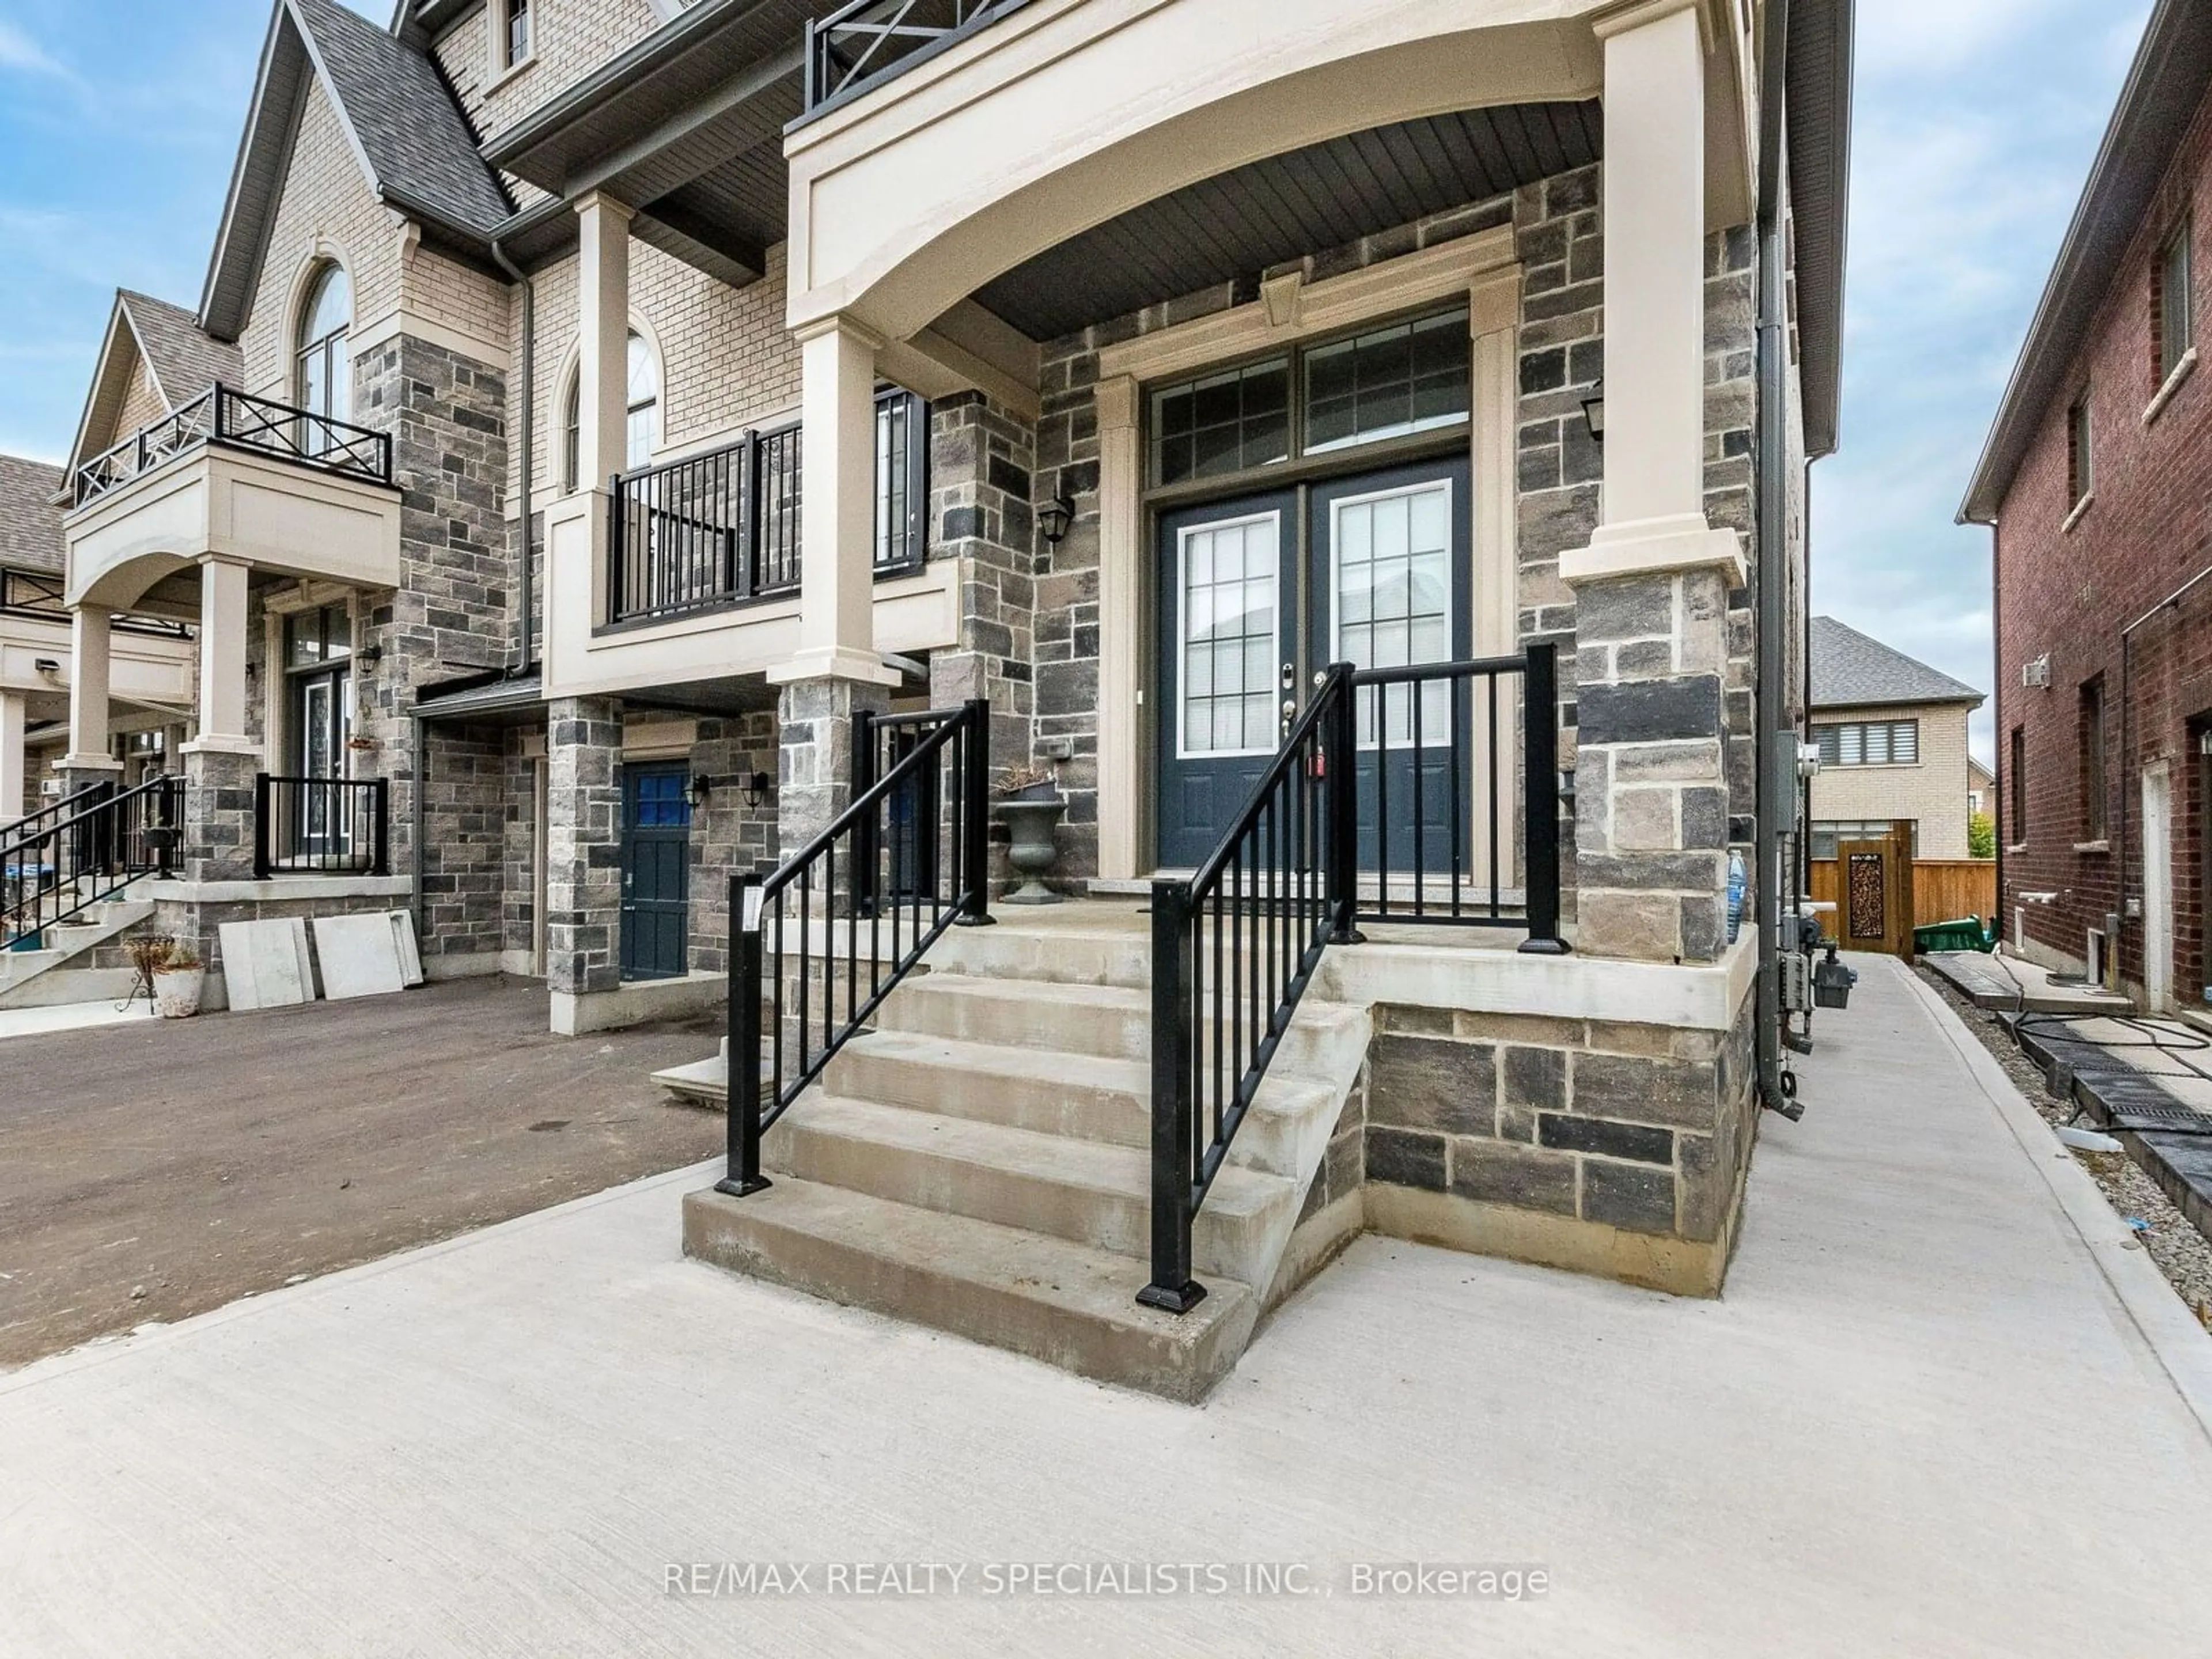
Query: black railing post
[(1172, 1290), (380, 804), (975, 818), (743, 1176), (264, 864), (1339, 767), (866, 845), (1540, 792)]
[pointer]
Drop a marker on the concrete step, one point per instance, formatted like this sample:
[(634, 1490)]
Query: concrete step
[(1060, 1302), (1086, 1192), (57, 975), (1066, 955), (1108, 1101)]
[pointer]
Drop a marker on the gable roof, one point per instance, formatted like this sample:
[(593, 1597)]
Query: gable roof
[(2165, 86), (415, 145), (30, 523), (182, 359), (1851, 670)]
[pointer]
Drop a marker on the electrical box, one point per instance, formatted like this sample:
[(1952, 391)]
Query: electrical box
[(1796, 983)]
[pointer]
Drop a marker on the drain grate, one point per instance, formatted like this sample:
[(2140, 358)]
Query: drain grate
[(2185, 1119)]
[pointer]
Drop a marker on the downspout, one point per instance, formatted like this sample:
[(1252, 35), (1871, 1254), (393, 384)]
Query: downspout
[(527, 633), (2000, 759), (1777, 787)]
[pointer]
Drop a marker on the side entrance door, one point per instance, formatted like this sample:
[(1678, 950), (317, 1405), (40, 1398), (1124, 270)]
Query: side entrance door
[(1259, 594), (656, 866), (2158, 886)]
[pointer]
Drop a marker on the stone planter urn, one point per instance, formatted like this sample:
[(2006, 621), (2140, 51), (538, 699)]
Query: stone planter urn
[(177, 988), (1032, 813)]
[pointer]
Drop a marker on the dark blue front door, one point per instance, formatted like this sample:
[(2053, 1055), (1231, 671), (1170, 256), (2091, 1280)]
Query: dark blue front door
[(656, 871)]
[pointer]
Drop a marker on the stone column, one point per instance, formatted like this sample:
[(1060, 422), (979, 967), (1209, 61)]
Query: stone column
[(837, 671), (13, 715), (1651, 588), (583, 851)]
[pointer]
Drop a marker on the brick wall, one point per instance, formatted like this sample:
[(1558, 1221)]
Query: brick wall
[(573, 37), (2068, 593), (142, 402), (1933, 792)]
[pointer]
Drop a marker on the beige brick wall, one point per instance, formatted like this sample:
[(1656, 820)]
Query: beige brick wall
[(327, 205), (573, 38), (142, 404), (1934, 792)]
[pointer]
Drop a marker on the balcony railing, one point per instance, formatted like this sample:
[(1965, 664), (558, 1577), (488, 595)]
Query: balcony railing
[(724, 527), (873, 40), (321, 827), (34, 594), (225, 418)]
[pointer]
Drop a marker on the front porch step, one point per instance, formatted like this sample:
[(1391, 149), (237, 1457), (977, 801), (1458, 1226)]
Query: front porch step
[(33, 979), (1064, 1302), (1082, 1191)]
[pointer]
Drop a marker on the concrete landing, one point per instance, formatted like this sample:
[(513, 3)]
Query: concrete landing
[(2008, 982)]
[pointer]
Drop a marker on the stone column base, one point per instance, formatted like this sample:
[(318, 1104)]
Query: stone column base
[(583, 843), (216, 839), (816, 765)]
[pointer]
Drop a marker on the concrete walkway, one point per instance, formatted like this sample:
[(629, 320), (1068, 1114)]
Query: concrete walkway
[(1931, 1417)]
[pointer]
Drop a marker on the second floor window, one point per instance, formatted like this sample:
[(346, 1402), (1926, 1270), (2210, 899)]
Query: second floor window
[(517, 45), (2081, 479), (2092, 761), (326, 368), (641, 413), (2174, 305), (1869, 743)]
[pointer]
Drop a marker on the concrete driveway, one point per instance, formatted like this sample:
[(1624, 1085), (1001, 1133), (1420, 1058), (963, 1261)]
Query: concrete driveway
[(155, 1170), (1938, 1414)]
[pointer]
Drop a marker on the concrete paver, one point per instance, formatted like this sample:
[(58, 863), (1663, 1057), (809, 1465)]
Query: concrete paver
[(1934, 1414)]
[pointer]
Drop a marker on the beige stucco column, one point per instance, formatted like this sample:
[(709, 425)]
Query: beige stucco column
[(1651, 590), (837, 530), (1121, 630), (12, 717), (89, 681), (603, 338), (222, 658)]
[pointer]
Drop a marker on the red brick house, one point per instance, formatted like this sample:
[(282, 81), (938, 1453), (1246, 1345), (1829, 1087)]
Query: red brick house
[(2093, 481)]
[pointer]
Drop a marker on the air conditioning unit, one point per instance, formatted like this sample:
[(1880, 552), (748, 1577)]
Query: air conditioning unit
[(50, 788), (2037, 674)]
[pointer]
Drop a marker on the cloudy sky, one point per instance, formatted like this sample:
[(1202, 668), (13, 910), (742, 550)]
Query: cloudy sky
[(1977, 121)]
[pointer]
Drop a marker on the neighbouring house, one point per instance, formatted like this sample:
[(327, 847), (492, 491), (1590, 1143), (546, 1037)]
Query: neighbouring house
[(1981, 789), (678, 449), (2104, 629), (1892, 733)]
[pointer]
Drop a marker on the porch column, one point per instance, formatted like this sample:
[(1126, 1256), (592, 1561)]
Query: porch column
[(14, 714), (583, 855), (837, 671), (220, 764), (603, 337), (89, 760), (1121, 630), (1651, 589)]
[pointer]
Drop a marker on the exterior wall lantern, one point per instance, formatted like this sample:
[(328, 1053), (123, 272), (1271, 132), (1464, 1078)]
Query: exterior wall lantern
[(1054, 518), (1594, 412), (701, 787), (758, 787)]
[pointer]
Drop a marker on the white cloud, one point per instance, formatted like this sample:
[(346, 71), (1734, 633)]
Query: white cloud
[(20, 52)]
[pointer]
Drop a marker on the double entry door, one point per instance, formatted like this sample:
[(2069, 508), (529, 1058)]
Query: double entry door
[(1259, 594)]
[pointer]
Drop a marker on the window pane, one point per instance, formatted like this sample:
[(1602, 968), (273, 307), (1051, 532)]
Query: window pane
[(1851, 746), (1230, 644), (1877, 745), (1905, 743), (1387, 383), (2175, 303), (1222, 423)]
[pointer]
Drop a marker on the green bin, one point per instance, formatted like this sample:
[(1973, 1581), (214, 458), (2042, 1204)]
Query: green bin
[(1967, 933)]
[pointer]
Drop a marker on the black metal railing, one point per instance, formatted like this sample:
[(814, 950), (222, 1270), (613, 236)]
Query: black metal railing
[(725, 526), (225, 417), (62, 860), (818, 944), (321, 827), (872, 38), (1236, 945), (41, 597)]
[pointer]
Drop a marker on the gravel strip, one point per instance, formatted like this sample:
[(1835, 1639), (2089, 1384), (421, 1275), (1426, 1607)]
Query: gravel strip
[(2181, 1253)]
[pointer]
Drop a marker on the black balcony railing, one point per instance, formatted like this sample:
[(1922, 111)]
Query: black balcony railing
[(723, 527), (818, 946), (35, 594), (1235, 946), (871, 40), (58, 863), (227, 418), (321, 827)]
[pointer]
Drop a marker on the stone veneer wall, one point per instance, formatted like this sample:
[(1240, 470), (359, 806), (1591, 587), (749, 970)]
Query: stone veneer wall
[(728, 837)]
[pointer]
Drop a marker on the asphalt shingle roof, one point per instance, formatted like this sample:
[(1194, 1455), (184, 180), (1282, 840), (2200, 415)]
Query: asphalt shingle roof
[(417, 141), (183, 358), (1850, 670), (30, 524)]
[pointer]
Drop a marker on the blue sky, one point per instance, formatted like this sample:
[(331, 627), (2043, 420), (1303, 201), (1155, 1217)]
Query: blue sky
[(1976, 121)]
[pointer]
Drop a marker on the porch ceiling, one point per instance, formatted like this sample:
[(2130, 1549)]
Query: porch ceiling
[(1325, 196)]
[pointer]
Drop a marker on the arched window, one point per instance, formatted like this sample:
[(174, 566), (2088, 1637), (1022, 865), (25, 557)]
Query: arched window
[(325, 377), (642, 402)]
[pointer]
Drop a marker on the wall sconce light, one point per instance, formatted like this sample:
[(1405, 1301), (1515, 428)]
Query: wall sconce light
[(372, 655), (47, 665), (1594, 412), (1054, 518), (758, 787), (701, 787)]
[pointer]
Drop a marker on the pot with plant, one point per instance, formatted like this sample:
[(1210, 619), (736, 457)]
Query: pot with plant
[(1030, 802), (179, 980)]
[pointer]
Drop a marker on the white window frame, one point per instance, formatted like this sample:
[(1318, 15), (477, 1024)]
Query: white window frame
[(504, 62), (1272, 516), (1336, 586)]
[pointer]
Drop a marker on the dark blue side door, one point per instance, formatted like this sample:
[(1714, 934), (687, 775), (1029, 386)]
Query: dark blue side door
[(656, 900)]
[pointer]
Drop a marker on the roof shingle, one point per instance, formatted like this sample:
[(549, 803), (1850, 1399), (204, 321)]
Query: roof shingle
[(30, 523), (183, 358), (1851, 670)]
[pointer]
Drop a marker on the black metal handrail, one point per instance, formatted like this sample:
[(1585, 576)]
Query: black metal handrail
[(66, 864), (781, 976), (44, 597), (321, 827), (225, 417), (871, 38), (1235, 946), (25, 829)]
